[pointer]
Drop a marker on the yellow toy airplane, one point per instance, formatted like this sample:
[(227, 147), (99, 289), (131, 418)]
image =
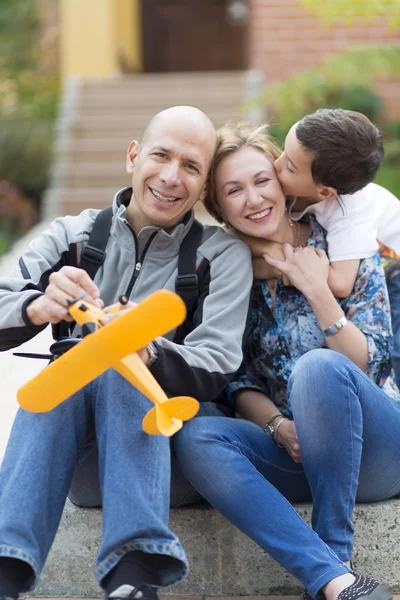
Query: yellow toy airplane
[(114, 346)]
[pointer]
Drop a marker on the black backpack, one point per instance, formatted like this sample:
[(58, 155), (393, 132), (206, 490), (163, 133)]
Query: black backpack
[(188, 283)]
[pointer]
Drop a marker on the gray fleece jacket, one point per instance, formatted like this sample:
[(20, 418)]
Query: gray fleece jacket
[(138, 265)]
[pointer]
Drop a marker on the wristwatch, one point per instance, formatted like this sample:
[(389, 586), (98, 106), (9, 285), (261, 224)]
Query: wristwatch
[(270, 428), (153, 354), (335, 327)]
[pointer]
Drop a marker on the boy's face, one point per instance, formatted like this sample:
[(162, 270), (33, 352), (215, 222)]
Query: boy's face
[(293, 169)]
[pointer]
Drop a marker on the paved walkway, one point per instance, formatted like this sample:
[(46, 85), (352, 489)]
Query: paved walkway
[(396, 597), (14, 371)]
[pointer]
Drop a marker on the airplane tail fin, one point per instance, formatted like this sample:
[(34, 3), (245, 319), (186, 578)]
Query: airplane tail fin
[(166, 418)]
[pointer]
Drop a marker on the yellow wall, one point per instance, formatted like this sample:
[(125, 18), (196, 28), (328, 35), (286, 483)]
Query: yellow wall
[(128, 22), (100, 38)]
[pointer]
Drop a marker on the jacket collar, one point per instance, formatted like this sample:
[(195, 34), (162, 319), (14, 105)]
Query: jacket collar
[(164, 241)]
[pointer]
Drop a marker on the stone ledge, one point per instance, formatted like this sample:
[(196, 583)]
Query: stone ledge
[(224, 562)]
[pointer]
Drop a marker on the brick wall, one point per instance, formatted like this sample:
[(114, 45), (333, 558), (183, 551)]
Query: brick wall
[(285, 38)]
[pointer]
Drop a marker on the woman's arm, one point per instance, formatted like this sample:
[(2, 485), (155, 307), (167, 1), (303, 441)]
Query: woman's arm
[(258, 408), (308, 269), (255, 406)]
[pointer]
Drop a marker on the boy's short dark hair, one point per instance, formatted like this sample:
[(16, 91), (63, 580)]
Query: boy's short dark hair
[(347, 148)]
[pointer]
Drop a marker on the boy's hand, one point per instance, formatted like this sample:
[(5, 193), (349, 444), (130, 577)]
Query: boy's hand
[(261, 270), (259, 246), (307, 268)]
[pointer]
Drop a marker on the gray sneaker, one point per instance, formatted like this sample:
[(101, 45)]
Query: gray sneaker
[(128, 592)]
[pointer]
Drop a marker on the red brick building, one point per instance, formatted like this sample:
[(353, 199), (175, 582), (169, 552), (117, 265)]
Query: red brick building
[(286, 38)]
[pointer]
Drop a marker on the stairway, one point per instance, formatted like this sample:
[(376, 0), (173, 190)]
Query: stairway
[(98, 119)]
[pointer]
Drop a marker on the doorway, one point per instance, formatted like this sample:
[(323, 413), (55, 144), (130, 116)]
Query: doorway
[(194, 35)]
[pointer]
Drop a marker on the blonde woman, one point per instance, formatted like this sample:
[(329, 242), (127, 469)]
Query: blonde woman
[(320, 412)]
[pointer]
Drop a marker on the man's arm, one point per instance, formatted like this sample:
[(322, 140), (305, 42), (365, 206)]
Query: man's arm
[(212, 352), (27, 301), (259, 247)]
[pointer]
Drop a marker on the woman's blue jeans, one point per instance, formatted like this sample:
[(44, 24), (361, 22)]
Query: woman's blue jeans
[(134, 471), (393, 285), (349, 433)]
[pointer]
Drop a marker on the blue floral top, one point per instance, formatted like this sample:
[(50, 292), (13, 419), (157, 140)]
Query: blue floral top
[(276, 342)]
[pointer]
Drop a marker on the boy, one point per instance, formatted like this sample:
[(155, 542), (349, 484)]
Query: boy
[(330, 159)]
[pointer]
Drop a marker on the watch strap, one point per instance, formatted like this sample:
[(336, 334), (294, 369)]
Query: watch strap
[(335, 327)]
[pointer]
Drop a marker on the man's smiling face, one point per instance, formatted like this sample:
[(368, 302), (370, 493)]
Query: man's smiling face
[(169, 171)]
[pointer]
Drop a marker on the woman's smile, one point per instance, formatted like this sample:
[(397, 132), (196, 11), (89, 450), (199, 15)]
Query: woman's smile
[(261, 215)]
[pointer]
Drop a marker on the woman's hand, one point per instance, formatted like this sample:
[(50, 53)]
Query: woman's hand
[(287, 437), (306, 268)]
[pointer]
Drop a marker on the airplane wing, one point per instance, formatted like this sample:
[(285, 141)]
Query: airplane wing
[(97, 352)]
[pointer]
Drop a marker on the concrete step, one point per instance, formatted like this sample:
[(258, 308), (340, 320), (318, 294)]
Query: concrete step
[(213, 598), (224, 562), (139, 97), (116, 123), (172, 80)]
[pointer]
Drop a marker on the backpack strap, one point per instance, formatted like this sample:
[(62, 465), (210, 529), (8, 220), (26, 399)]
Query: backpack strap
[(187, 284), (92, 258), (93, 254)]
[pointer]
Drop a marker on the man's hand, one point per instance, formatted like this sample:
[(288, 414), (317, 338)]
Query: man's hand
[(65, 285), (287, 437), (116, 310)]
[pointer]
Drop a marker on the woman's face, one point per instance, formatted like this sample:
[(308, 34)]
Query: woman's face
[(249, 194)]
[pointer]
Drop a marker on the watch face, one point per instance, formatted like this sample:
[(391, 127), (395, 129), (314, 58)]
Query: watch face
[(269, 430)]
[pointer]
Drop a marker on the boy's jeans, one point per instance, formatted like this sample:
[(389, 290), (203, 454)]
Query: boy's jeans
[(134, 471), (348, 431)]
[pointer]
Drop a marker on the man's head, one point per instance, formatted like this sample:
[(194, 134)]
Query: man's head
[(170, 167), (330, 152)]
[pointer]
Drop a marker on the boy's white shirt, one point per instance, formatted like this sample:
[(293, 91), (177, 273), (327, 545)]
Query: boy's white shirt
[(354, 222)]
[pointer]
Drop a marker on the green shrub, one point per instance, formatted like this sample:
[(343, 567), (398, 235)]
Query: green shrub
[(25, 153)]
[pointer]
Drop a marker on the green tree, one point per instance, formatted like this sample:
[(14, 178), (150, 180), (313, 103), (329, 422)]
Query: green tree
[(29, 94), (330, 11)]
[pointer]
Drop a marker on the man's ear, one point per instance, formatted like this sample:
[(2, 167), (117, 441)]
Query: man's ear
[(325, 192), (133, 151), (203, 193)]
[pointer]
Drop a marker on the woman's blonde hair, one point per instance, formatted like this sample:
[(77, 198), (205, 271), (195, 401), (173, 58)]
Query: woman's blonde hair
[(231, 138)]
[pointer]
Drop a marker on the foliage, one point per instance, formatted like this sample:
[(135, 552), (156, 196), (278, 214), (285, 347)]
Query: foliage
[(29, 95), (354, 70), (389, 177), (25, 153), (26, 88), (347, 11)]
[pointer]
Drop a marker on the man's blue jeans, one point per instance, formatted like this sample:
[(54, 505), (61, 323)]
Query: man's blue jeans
[(134, 471), (349, 433), (393, 285)]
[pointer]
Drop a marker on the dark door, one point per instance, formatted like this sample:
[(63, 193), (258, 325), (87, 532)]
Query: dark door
[(194, 35)]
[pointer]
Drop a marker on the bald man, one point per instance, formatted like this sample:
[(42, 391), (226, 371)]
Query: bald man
[(150, 220)]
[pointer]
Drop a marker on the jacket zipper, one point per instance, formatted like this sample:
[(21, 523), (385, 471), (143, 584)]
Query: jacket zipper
[(139, 264)]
